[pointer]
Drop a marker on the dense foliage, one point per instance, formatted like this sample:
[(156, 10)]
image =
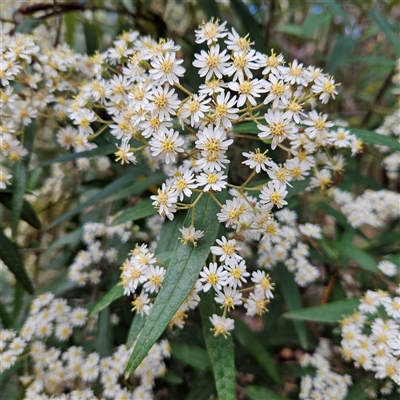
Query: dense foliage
[(200, 200)]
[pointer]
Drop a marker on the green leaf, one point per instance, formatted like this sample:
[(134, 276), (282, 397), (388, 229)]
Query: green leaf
[(116, 292), (135, 329), (210, 8), (104, 334), (340, 218), (27, 25), (357, 392), (246, 127), (297, 187), (340, 53), (111, 188), (386, 28), (312, 22), (60, 285), (138, 187), (139, 211), (220, 350), (182, 273), (20, 174), (290, 29), (251, 342), (202, 388), (262, 393), (70, 20), (28, 214), (250, 24), (291, 294), (10, 256), (376, 138), (92, 43), (6, 318), (170, 233), (99, 151), (191, 355), (360, 257), (327, 313), (337, 10)]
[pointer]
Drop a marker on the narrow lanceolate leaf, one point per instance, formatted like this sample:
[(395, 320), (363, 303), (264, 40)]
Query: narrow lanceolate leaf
[(250, 341), (297, 187), (138, 187), (194, 356), (327, 313), (220, 350), (343, 47), (104, 334), (10, 256), (250, 24), (386, 28), (170, 233), (20, 178), (376, 138), (108, 190), (262, 393), (6, 318), (135, 329), (182, 273), (360, 257), (290, 292), (141, 210), (99, 151), (115, 293), (28, 214), (210, 8)]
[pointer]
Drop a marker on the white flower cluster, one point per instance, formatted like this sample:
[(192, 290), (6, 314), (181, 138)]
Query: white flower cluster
[(326, 384), (81, 270), (373, 208), (72, 374), (371, 336)]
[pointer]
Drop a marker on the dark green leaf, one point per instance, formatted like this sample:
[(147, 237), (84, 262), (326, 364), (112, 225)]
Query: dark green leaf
[(376, 138), (357, 392), (251, 342), (28, 214), (202, 388), (191, 355), (138, 187), (70, 20), (340, 218), (92, 43), (27, 25), (10, 256), (135, 329), (104, 334), (262, 393), (20, 174), (327, 313), (220, 350), (337, 10), (249, 24), (111, 188), (386, 28), (170, 233), (246, 127), (360, 257), (297, 187), (114, 294), (290, 292), (294, 30), (312, 22), (99, 151), (182, 273), (210, 8), (343, 47), (139, 211), (6, 318)]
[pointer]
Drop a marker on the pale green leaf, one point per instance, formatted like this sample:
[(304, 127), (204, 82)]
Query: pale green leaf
[(116, 292), (327, 313), (139, 211)]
